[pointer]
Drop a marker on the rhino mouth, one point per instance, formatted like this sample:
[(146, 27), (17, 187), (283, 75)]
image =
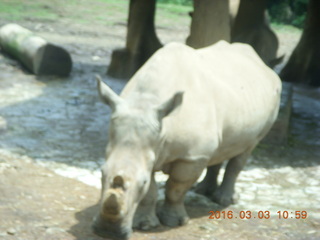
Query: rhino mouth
[(111, 230)]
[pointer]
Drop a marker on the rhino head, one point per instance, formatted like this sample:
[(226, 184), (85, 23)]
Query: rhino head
[(134, 137)]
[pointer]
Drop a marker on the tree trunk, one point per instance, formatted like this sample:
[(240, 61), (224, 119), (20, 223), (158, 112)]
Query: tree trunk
[(39, 56), (210, 23), (251, 26), (304, 63), (141, 43), (233, 10), (250, 15)]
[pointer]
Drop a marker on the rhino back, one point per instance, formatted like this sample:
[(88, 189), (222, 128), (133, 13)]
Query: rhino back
[(231, 98)]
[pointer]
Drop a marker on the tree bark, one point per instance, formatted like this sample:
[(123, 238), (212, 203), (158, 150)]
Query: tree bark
[(233, 11), (39, 56), (251, 26), (250, 15), (304, 63), (210, 23), (141, 40)]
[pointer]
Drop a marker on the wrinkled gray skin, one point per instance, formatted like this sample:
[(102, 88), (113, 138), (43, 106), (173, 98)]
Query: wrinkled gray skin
[(184, 110)]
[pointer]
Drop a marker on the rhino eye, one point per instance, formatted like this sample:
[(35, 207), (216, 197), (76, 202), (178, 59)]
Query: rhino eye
[(144, 181)]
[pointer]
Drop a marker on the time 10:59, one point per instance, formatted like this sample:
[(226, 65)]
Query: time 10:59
[(295, 214)]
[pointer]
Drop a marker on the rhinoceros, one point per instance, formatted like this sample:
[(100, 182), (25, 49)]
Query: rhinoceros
[(183, 111)]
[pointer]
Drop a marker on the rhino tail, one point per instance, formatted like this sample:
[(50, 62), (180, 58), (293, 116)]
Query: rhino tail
[(276, 61)]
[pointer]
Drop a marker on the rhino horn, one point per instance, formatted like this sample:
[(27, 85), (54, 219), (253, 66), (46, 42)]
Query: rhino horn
[(113, 203)]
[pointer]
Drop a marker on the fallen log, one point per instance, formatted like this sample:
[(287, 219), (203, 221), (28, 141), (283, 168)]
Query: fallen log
[(34, 52)]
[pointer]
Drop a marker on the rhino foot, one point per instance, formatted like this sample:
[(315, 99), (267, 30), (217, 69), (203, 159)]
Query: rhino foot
[(145, 221), (173, 216), (223, 198)]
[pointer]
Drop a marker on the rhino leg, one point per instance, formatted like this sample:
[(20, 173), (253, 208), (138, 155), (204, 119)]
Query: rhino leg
[(224, 194), (145, 217), (209, 184), (181, 177)]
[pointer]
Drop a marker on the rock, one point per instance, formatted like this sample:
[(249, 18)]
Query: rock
[(207, 228), (11, 231), (54, 230), (96, 58)]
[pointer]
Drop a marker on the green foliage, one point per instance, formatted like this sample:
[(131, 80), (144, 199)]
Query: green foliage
[(299, 21), (291, 12), (299, 7), (280, 11), (288, 11)]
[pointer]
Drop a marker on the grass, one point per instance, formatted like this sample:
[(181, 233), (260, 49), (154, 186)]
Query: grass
[(106, 12), (102, 12), (169, 15), (285, 28), (81, 10), (19, 10)]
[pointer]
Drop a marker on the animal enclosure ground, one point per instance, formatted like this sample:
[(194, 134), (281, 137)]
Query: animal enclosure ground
[(50, 125)]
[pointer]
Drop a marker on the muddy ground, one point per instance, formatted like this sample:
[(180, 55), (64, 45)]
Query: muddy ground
[(53, 134)]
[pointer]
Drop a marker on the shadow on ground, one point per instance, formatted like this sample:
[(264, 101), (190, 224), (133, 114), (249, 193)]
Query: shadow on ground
[(82, 230)]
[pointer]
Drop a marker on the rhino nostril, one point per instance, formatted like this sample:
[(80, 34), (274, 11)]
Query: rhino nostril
[(118, 182)]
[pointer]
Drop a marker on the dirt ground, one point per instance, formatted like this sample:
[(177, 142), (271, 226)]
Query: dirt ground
[(39, 204), (50, 125)]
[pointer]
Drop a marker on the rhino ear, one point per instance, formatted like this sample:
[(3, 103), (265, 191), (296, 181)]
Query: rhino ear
[(170, 105), (107, 95)]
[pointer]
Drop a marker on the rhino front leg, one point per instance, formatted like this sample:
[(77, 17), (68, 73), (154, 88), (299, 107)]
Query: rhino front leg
[(145, 217), (224, 194), (181, 177), (209, 184)]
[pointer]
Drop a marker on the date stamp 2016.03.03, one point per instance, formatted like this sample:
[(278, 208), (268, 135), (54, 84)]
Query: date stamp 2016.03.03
[(258, 215)]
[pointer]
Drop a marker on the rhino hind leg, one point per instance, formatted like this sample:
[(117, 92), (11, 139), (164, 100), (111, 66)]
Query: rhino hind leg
[(224, 194), (145, 217), (209, 184), (182, 176)]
